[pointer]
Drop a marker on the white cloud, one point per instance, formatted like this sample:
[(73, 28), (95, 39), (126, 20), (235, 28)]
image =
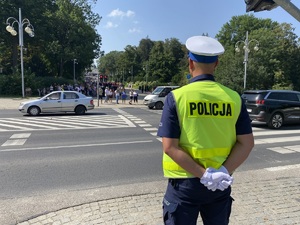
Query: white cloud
[(121, 14), (134, 30), (110, 25)]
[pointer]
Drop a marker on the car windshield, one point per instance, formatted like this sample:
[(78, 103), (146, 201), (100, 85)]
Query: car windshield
[(157, 91)]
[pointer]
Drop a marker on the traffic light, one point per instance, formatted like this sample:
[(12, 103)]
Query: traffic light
[(259, 5), (105, 79)]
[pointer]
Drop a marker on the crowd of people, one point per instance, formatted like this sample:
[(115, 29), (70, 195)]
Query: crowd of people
[(107, 91)]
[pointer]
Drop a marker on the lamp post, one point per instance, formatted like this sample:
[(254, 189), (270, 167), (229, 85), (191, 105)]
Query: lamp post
[(74, 77), (146, 76), (28, 29), (132, 74), (246, 51)]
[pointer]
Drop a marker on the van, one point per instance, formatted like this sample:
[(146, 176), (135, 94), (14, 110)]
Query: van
[(157, 97)]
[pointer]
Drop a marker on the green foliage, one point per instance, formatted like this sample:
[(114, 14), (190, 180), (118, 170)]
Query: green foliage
[(12, 84), (157, 61), (274, 65), (65, 30)]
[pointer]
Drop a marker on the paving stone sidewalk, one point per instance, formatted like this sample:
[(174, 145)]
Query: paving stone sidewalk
[(261, 197)]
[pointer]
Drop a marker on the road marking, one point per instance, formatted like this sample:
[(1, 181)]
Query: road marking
[(279, 168), (276, 140), (140, 122), (22, 135), (121, 111), (286, 149), (13, 126), (14, 142), (64, 122), (145, 125), (274, 132), (76, 146), (150, 129), (34, 124), (295, 148), (281, 150)]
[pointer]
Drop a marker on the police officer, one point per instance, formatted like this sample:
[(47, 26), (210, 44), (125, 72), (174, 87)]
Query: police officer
[(206, 134)]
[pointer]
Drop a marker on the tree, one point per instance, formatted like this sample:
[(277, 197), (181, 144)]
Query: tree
[(267, 66), (64, 30)]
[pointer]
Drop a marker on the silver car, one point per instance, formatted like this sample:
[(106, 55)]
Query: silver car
[(58, 101)]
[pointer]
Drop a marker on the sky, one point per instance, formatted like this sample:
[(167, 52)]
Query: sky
[(126, 22)]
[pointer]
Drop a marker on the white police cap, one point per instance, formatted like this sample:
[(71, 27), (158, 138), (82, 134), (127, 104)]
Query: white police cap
[(204, 49)]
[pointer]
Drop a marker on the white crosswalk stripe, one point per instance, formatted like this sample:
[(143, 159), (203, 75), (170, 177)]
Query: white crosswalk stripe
[(262, 136), (64, 122)]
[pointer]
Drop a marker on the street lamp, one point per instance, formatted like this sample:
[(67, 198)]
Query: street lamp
[(246, 50), (74, 62), (28, 29), (131, 74), (146, 76)]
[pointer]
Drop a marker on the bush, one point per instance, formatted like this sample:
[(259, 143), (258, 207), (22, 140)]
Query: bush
[(11, 85)]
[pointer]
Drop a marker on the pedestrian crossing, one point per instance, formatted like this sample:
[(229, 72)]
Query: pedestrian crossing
[(64, 122), (287, 141), (262, 137)]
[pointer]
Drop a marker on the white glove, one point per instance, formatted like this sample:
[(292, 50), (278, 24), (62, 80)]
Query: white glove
[(216, 179), (224, 184), (223, 169)]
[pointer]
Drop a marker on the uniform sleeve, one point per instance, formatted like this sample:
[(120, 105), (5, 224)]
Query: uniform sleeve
[(169, 124), (243, 124)]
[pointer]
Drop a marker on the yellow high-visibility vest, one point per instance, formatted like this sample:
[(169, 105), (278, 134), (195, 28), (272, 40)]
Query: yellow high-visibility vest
[(207, 113)]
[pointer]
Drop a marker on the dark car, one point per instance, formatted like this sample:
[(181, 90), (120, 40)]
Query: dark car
[(273, 107)]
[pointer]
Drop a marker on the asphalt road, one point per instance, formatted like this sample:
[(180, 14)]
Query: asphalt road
[(116, 151), (42, 157)]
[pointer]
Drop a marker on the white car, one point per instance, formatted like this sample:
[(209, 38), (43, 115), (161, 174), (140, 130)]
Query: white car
[(58, 101), (157, 97)]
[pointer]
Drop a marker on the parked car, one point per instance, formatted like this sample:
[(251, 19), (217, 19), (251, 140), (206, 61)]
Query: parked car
[(273, 107), (157, 97), (58, 101)]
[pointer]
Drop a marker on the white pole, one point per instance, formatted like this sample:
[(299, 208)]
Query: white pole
[(74, 78), (246, 59), (21, 51)]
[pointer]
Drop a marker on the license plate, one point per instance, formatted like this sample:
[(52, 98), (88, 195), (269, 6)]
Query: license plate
[(249, 110)]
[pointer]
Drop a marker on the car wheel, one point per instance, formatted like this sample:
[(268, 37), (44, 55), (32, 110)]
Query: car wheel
[(80, 110), (159, 105), (150, 107), (276, 121), (34, 111)]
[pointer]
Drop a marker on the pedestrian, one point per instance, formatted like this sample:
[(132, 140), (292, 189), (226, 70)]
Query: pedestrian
[(100, 93), (110, 95), (123, 96), (106, 92), (135, 96), (130, 96), (117, 94), (206, 134)]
